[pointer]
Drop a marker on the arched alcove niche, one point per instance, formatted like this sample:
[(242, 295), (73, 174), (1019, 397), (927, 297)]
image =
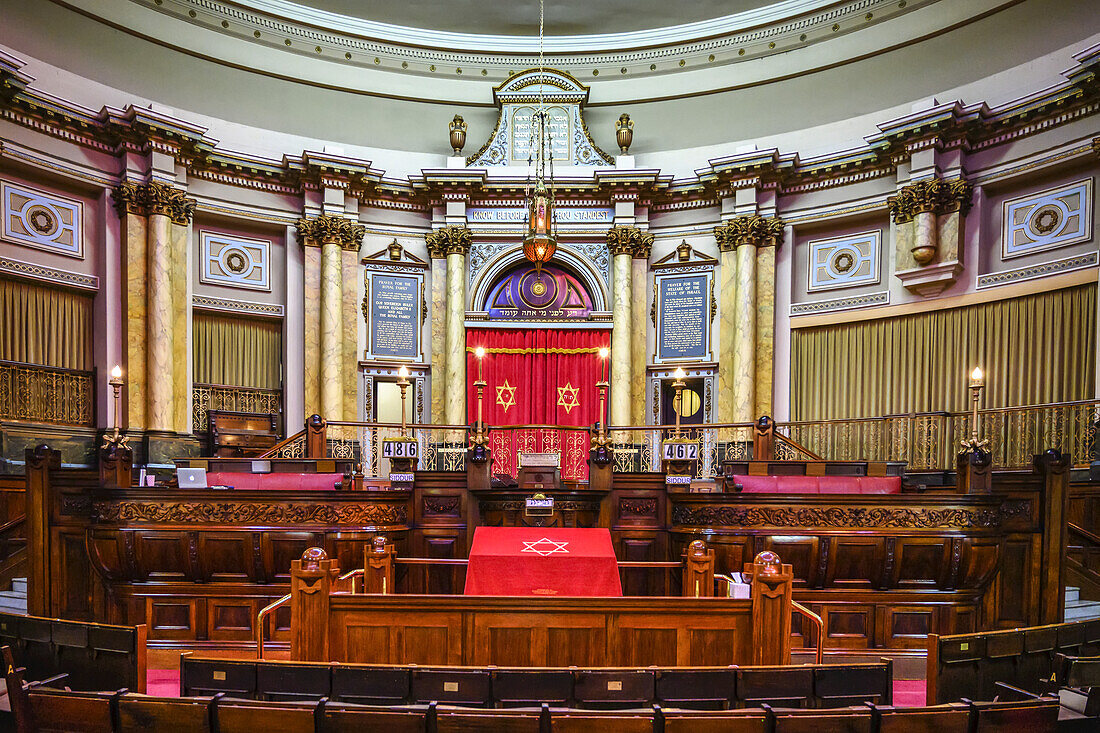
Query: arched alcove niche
[(569, 263)]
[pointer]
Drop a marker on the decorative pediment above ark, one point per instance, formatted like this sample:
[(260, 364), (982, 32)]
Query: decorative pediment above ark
[(517, 99)]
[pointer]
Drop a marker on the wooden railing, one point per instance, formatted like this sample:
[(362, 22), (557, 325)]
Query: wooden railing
[(36, 393), (206, 397)]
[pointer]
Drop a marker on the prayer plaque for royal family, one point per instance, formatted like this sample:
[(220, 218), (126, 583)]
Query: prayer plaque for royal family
[(394, 317), (683, 317)]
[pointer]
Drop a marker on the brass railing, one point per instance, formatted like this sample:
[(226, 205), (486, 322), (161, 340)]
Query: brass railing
[(261, 622), (638, 448), (440, 447), (35, 393), (206, 397), (930, 441)]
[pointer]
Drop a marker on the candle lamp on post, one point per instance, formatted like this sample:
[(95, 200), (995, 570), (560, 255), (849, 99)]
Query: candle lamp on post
[(679, 454), (480, 439), (403, 451), (678, 400), (117, 440), (974, 463), (403, 385), (602, 437), (976, 385)]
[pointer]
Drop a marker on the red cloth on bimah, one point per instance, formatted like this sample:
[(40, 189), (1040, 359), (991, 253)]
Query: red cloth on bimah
[(534, 561)]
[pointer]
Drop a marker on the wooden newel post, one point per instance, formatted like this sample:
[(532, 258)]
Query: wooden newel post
[(316, 443), (974, 471), (698, 571), (311, 580), (763, 439), (771, 608), (378, 566), (40, 463), (116, 466), (1054, 467)]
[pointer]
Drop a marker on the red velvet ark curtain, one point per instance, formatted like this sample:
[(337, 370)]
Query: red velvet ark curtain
[(538, 376)]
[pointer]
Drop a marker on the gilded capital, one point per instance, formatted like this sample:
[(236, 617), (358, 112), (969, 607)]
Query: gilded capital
[(313, 231), (450, 240), (143, 199), (625, 240), (754, 229), (933, 195)]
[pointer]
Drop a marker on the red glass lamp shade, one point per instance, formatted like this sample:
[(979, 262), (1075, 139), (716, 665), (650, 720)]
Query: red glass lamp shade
[(539, 244)]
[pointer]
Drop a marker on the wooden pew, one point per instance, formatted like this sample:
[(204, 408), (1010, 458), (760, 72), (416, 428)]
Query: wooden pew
[(749, 720), (834, 720), (139, 713), (64, 711), (249, 716), (1033, 716), (950, 718), (347, 718), (489, 721)]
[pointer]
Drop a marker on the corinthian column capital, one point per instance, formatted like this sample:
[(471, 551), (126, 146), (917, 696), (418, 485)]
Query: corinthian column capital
[(754, 229), (933, 195), (143, 199), (312, 231), (626, 240), (453, 239)]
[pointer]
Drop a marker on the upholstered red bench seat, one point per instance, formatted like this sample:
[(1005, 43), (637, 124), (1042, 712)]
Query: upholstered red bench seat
[(819, 484), (275, 481)]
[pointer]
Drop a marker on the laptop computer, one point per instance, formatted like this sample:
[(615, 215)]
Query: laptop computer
[(191, 478)]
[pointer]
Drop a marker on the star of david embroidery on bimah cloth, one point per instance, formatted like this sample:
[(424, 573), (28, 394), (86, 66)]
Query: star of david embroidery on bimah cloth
[(506, 395), (567, 397), (545, 547)]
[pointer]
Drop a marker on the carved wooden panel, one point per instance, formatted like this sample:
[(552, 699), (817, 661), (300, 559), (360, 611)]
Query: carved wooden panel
[(714, 646), (162, 556), (906, 627), (800, 552), (174, 618), (643, 645), (227, 557), (854, 562), (281, 548), (576, 642), (1015, 584), (849, 626), (231, 619), (73, 581), (921, 562)]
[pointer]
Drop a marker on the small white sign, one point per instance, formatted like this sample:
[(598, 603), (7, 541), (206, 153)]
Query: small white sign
[(400, 449), (673, 450)]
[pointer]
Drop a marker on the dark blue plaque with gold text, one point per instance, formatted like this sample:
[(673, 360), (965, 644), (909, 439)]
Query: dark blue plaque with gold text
[(682, 322), (394, 316)]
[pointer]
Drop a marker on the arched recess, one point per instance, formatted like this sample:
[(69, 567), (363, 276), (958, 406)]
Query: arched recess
[(580, 266)]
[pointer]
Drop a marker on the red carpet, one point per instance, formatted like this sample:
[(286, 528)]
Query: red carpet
[(166, 683)]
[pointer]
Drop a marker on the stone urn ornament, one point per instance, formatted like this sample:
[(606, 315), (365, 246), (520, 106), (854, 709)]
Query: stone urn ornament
[(458, 134), (624, 132)]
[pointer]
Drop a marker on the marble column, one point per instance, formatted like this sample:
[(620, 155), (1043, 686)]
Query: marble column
[(455, 399), (621, 327), (135, 289), (438, 254), (158, 363), (182, 361), (744, 354), (311, 323), (638, 307), (765, 329), (332, 397), (350, 274), (727, 319)]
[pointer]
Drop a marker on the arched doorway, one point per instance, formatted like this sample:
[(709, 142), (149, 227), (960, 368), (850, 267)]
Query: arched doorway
[(541, 366)]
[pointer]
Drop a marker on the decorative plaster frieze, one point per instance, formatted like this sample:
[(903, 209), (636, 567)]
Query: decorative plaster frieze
[(1034, 272), (48, 274), (840, 304), (238, 306)]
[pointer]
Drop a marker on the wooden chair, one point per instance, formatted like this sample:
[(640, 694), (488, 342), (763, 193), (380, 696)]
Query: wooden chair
[(64, 711), (469, 687), (363, 685), (1033, 716), (696, 689), (950, 718), (834, 720), (613, 689), (250, 716), (747, 720), (236, 678), (495, 721), (843, 685), (346, 718), (787, 687), (140, 713), (293, 681), (532, 687), (608, 721)]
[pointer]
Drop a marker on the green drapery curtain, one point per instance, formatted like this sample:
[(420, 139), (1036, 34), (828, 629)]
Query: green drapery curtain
[(239, 352), (43, 325), (1033, 349)]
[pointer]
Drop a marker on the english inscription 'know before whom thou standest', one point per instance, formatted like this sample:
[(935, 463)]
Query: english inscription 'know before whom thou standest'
[(682, 317), (394, 316)]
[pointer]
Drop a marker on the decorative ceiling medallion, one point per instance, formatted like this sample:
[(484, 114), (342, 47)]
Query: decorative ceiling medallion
[(42, 220)]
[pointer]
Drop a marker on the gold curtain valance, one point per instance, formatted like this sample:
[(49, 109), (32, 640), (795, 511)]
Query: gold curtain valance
[(1034, 349)]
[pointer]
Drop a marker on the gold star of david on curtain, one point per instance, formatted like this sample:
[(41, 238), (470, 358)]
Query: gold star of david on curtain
[(567, 397), (506, 395)]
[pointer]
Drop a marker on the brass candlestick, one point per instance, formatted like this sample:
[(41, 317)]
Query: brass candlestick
[(976, 384), (403, 385), (115, 382), (602, 438), (479, 428), (678, 399)]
